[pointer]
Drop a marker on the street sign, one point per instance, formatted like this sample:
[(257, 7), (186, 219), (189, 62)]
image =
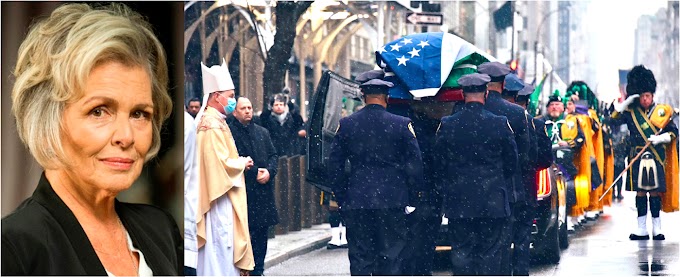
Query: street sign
[(425, 18)]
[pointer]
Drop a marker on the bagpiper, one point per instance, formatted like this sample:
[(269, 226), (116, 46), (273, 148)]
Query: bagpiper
[(585, 109), (655, 172), (567, 140)]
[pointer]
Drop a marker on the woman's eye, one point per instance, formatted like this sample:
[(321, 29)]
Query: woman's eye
[(97, 112), (141, 114)]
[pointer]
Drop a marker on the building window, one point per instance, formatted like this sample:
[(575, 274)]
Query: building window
[(353, 46), (362, 51)]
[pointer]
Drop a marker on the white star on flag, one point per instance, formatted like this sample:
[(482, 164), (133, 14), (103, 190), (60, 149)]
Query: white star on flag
[(414, 52), (423, 43), (402, 60), (406, 41), (382, 50), (395, 47)]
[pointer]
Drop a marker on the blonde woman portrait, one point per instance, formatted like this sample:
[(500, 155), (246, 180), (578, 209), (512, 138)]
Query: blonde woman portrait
[(89, 99)]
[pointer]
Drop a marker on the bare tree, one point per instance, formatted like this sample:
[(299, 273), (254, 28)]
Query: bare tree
[(287, 15)]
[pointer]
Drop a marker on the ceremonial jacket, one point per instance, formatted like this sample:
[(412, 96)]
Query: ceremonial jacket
[(657, 169), (566, 129)]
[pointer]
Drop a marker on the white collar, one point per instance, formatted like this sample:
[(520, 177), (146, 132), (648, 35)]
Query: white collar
[(143, 267)]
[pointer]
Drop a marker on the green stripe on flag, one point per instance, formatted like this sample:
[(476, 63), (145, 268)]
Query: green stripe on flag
[(533, 99), (460, 69)]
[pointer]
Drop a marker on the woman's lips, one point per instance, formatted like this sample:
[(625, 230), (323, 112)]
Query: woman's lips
[(118, 163)]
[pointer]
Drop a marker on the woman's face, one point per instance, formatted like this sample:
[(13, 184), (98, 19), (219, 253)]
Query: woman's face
[(108, 132)]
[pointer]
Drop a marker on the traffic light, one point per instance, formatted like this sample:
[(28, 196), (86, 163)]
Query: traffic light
[(502, 17), (426, 6)]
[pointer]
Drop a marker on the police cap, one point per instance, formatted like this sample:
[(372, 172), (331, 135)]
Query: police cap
[(495, 70), (370, 75), (525, 93), (376, 86), (474, 82), (512, 85)]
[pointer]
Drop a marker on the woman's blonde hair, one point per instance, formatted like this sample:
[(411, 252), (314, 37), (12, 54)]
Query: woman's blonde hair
[(56, 58)]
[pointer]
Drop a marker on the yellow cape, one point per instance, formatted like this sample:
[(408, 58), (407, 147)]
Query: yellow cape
[(582, 163), (669, 199), (598, 153), (608, 174)]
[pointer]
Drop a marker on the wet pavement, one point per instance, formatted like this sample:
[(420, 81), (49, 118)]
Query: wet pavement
[(600, 248), (603, 247)]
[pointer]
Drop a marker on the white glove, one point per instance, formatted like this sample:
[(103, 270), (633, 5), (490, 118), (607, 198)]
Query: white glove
[(663, 138), (623, 106), (409, 209)]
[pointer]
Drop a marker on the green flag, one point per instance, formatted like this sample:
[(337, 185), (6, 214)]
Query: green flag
[(533, 99)]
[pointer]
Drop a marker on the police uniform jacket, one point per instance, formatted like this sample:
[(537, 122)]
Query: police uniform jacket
[(384, 157), (426, 131), (43, 237), (518, 121), (254, 141), (544, 155), (477, 156), (543, 159)]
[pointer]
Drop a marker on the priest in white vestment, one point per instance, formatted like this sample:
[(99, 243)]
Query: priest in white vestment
[(224, 247)]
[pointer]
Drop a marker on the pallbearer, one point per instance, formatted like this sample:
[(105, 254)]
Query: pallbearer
[(523, 211), (518, 121), (385, 165), (477, 160)]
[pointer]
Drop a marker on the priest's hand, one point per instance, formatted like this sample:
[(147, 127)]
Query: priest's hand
[(262, 175)]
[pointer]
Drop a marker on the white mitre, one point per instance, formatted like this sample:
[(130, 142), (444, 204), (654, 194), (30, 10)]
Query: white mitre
[(215, 78)]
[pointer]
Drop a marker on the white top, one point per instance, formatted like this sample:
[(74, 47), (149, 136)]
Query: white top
[(143, 268), (190, 193)]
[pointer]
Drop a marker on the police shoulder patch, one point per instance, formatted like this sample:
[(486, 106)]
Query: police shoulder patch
[(410, 128)]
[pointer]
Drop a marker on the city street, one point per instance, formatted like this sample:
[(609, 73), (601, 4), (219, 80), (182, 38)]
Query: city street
[(601, 248)]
